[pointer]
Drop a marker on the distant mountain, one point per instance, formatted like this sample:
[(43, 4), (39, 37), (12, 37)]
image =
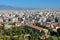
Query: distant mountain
[(6, 7), (2, 7)]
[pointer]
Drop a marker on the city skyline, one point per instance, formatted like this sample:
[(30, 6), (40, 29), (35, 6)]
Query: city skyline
[(32, 3)]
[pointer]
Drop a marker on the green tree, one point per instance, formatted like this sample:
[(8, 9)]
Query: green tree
[(58, 31), (42, 35), (38, 24)]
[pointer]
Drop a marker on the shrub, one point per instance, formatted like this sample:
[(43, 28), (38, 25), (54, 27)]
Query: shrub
[(54, 38)]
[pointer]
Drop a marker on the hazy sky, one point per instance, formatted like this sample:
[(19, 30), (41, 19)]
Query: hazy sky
[(31, 3)]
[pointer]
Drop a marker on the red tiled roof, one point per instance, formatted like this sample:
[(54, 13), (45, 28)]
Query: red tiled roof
[(51, 23), (54, 24), (36, 27)]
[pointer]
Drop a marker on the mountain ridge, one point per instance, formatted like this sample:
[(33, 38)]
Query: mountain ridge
[(14, 8), (7, 7)]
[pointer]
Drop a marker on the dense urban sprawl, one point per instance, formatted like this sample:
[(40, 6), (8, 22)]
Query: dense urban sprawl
[(30, 24)]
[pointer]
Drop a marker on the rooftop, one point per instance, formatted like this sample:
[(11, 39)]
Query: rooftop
[(36, 27)]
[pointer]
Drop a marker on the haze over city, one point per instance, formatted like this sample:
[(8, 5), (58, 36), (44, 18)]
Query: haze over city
[(32, 3), (29, 19)]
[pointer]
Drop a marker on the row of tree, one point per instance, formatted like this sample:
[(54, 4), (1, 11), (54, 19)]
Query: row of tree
[(17, 31)]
